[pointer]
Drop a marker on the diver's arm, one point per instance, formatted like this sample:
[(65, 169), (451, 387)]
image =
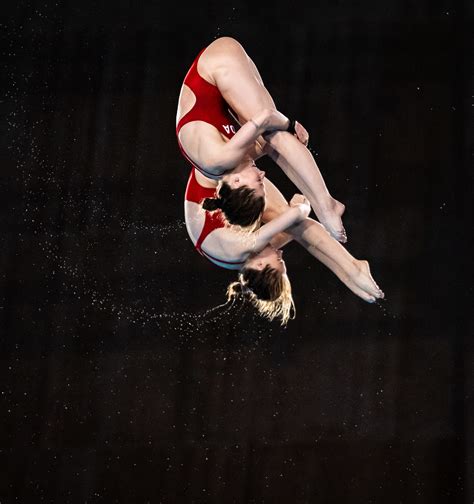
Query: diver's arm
[(299, 209), (216, 156), (258, 149)]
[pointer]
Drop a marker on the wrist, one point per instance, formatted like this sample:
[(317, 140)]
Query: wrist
[(254, 122), (291, 126), (298, 213), (262, 120)]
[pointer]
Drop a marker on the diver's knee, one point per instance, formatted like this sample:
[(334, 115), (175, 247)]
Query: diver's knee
[(229, 43), (228, 49)]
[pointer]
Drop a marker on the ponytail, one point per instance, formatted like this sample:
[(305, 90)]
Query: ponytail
[(212, 204), (240, 206)]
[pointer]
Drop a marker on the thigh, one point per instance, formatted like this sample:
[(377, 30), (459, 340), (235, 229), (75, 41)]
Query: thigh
[(236, 77)]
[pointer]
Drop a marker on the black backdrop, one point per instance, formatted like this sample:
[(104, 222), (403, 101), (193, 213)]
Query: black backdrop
[(118, 383)]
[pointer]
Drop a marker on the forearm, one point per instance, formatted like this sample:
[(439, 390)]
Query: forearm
[(245, 142), (272, 229)]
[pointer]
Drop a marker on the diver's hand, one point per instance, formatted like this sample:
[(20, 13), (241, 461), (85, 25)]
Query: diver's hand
[(301, 133), (271, 120), (299, 201)]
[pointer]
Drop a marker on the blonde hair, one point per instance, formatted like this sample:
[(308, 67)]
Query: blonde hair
[(268, 290)]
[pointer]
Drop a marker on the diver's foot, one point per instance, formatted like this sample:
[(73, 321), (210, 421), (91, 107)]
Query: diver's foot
[(330, 218), (362, 283)]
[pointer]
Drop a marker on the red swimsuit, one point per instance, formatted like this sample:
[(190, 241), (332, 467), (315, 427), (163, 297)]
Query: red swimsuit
[(195, 193), (210, 107)]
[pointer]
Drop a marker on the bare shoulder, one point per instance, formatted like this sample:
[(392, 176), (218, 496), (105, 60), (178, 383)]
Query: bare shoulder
[(230, 245)]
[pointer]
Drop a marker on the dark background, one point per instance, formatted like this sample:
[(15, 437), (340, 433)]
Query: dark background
[(118, 381)]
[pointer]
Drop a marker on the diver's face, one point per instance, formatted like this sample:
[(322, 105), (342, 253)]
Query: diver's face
[(247, 174), (269, 256)]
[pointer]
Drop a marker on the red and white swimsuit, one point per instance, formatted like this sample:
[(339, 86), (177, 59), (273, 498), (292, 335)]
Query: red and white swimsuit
[(210, 107)]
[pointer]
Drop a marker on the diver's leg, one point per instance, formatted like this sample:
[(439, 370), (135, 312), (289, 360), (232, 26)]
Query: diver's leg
[(226, 63), (354, 273)]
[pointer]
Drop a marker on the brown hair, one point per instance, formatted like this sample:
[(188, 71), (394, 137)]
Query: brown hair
[(268, 290), (240, 206)]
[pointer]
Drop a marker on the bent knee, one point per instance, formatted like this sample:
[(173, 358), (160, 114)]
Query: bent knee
[(228, 43), (227, 51)]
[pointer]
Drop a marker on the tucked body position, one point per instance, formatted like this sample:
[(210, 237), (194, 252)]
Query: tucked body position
[(225, 113), (234, 215)]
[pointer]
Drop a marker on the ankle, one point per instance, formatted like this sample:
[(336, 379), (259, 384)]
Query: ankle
[(357, 267), (325, 205)]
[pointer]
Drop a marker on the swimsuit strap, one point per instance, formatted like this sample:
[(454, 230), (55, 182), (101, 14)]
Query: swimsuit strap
[(209, 102), (212, 222), (195, 192)]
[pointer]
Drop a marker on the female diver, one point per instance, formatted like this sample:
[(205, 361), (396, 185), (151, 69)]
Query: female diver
[(257, 255), (222, 90)]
